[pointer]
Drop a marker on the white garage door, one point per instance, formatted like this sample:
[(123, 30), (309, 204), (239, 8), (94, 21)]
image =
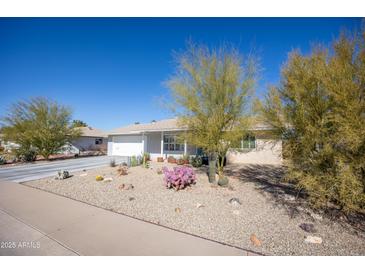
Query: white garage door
[(127, 145)]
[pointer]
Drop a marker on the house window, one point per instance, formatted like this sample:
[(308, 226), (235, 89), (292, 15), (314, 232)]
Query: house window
[(171, 143), (98, 141), (248, 142)]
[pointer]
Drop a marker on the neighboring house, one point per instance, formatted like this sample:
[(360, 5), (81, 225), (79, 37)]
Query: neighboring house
[(7, 145), (159, 138), (91, 139)]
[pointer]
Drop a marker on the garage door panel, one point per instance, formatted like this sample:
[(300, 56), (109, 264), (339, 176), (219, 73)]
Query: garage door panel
[(128, 145)]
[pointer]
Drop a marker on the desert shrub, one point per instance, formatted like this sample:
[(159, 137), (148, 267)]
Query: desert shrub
[(112, 163), (147, 156), (196, 161), (134, 161), (179, 177), (2, 160), (26, 154), (145, 159), (319, 110)]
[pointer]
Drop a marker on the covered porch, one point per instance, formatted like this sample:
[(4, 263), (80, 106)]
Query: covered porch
[(165, 144)]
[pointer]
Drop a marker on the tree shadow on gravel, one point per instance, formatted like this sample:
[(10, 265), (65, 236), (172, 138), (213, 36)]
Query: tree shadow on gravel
[(269, 181)]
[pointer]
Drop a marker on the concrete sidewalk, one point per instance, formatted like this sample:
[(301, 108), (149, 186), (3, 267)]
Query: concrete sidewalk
[(66, 227)]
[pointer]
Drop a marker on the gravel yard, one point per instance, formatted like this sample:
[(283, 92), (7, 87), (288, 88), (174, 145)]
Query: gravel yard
[(259, 223)]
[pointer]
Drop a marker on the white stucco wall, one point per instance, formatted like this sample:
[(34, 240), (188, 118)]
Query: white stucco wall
[(267, 151)]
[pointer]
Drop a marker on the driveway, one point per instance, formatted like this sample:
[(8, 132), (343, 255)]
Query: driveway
[(34, 222), (38, 170)]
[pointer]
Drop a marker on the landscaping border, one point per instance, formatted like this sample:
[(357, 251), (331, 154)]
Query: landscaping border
[(149, 222)]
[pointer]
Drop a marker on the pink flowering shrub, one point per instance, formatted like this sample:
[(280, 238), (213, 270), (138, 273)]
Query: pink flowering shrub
[(179, 177)]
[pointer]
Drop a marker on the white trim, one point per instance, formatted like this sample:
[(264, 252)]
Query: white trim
[(162, 143)]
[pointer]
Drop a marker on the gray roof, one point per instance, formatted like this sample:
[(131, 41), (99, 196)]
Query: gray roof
[(162, 125), (92, 132)]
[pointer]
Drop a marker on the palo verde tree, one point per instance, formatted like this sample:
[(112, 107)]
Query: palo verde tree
[(40, 125), (210, 95), (319, 109)]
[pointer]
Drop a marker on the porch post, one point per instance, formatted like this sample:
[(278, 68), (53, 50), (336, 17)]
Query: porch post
[(185, 147), (143, 143), (161, 143)]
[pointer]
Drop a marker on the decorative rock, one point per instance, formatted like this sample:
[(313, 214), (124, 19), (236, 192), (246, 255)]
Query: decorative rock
[(83, 174), (99, 178), (235, 202), (236, 212), (107, 180), (316, 216), (313, 240), (308, 227), (178, 210), (199, 205), (63, 174), (126, 187), (254, 240), (131, 199), (129, 187), (288, 197)]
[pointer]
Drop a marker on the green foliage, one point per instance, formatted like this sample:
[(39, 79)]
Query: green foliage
[(2, 160), (196, 161), (39, 124), (134, 161), (319, 109), (78, 123), (210, 94), (145, 159), (26, 154)]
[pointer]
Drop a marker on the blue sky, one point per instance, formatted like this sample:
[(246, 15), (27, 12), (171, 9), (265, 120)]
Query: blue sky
[(111, 70)]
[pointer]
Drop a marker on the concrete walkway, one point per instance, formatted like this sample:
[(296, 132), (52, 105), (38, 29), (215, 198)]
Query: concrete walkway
[(61, 226)]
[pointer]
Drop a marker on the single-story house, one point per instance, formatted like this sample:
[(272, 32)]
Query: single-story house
[(7, 145), (159, 139), (91, 139)]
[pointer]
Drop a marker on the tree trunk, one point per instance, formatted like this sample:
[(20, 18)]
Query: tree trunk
[(212, 167)]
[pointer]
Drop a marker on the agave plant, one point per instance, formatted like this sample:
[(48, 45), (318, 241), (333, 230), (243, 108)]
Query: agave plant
[(179, 177)]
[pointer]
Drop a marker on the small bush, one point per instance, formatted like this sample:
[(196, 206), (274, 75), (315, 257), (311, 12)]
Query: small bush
[(134, 161), (180, 161), (112, 163), (26, 154), (179, 177), (147, 156), (2, 160), (196, 161), (145, 159)]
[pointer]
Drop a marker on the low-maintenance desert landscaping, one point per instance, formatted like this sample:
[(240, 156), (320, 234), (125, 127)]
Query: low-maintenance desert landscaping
[(254, 212)]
